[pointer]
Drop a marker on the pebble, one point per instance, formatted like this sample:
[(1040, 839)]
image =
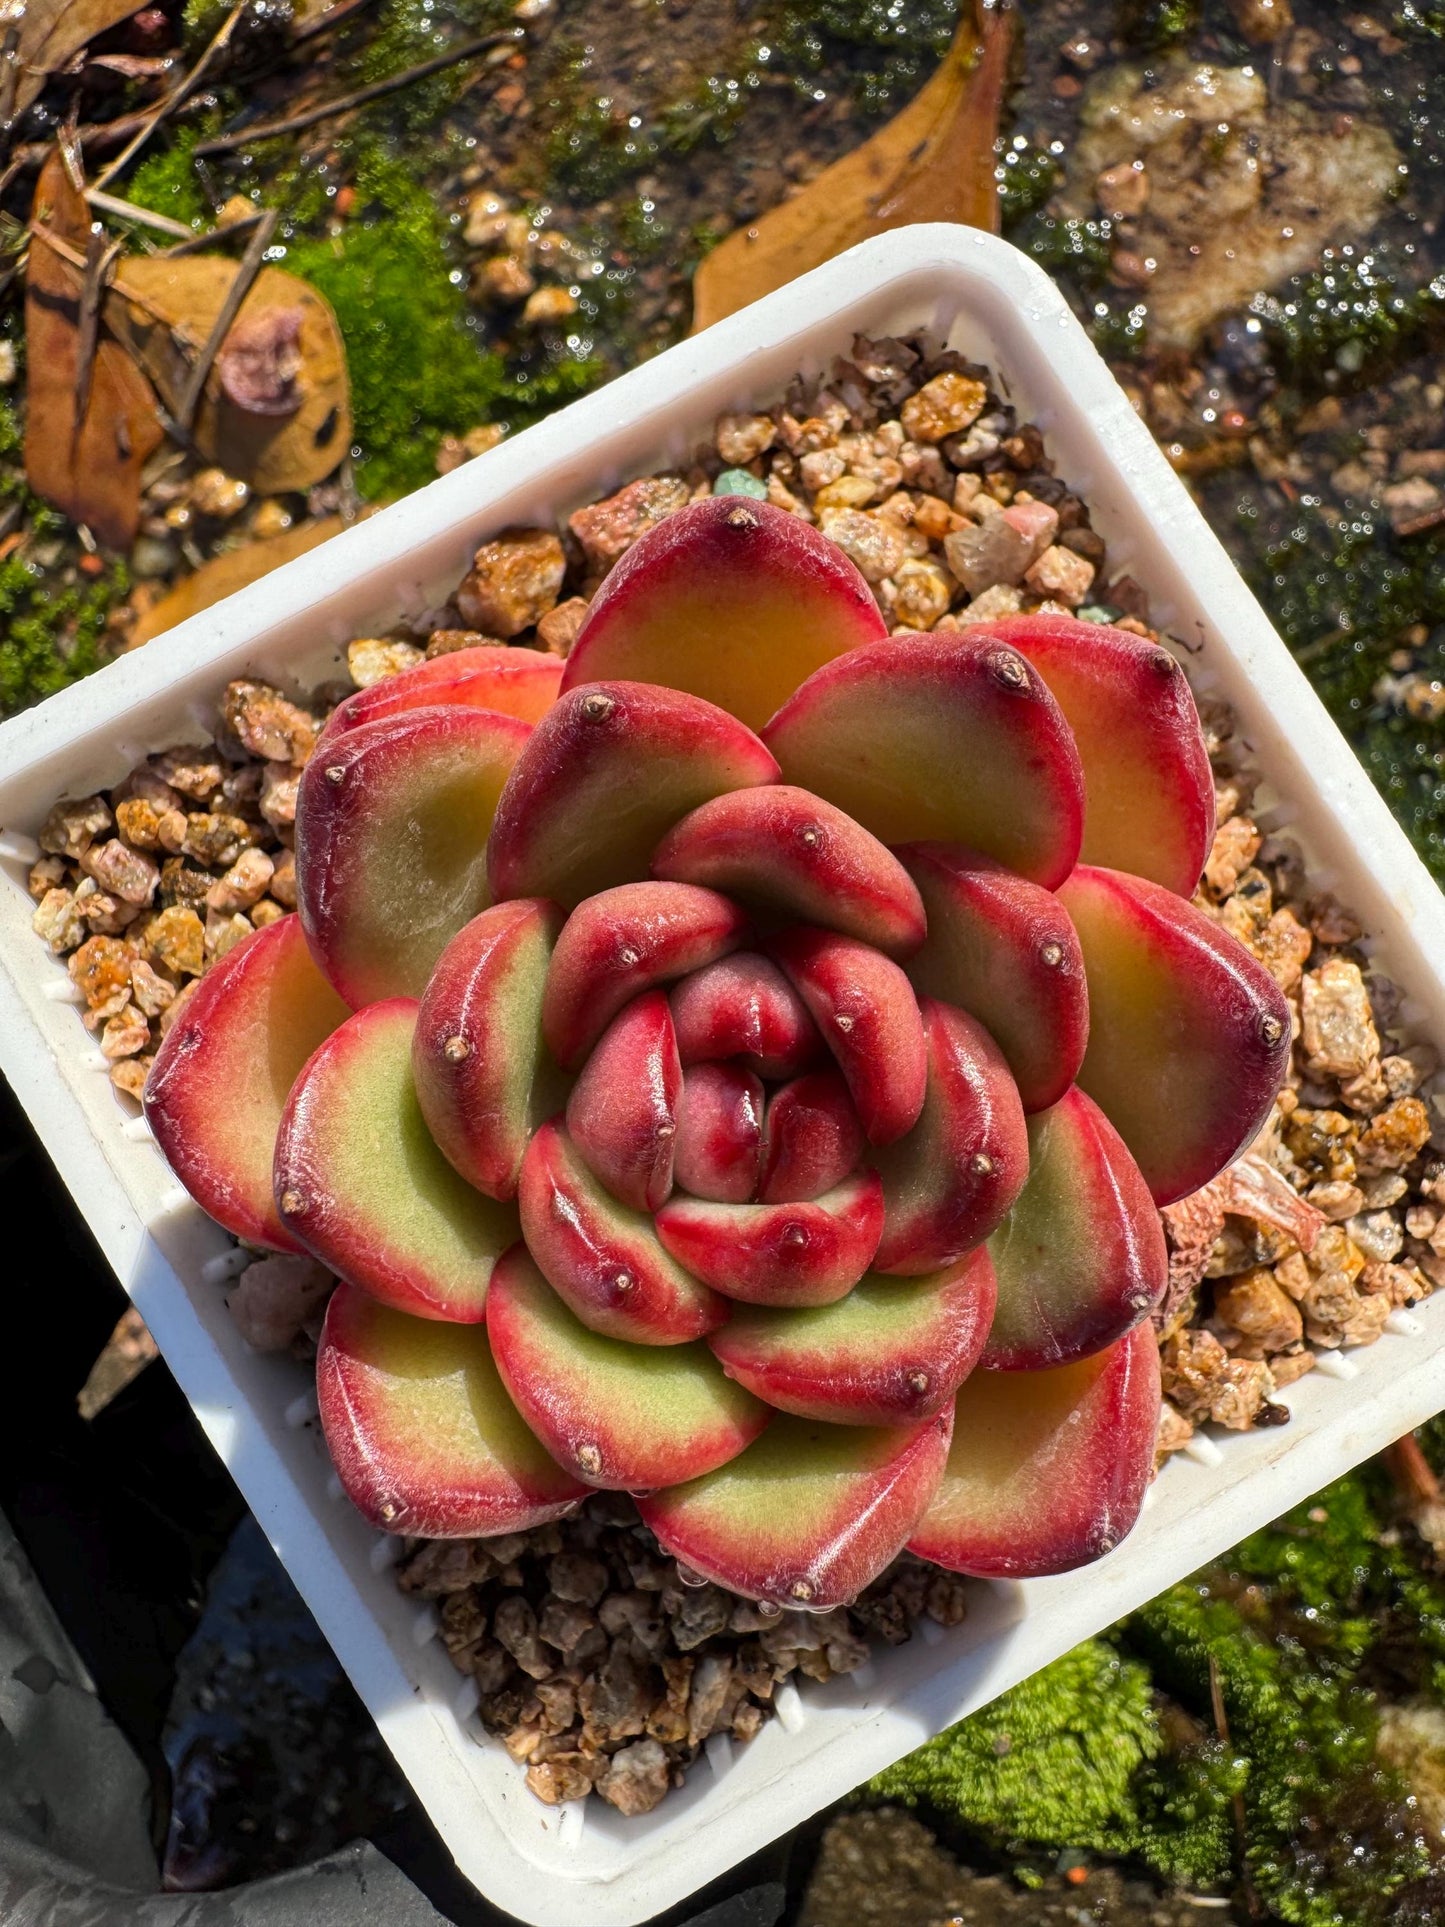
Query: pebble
[(548, 304), (372, 659), (737, 481), (514, 579), (944, 406), (218, 495)]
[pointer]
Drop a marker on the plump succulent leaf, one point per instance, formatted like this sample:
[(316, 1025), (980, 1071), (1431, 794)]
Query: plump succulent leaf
[(867, 1014), (1080, 1258), (791, 853), (1148, 789), (941, 738), (220, 1080), (392, 820), (627, 1417), (603, 1258), (359, 1180), (778, 1254), (892, 1352), (953, 1177), (512, 682), (484, 1078), (812, 1138), (623, 1110), (606, 774), (1189, 1036), (1047, 1470), (810, 1514), (623, 941), (720, 1132), (1004, 950), (732, 599), (743, 1006), (421, 1431)]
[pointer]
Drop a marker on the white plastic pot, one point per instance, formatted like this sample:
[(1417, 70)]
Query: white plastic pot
[(561, 1867)]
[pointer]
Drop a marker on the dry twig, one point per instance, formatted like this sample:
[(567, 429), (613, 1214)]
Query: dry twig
[(344, 103), (177, 96), (245, 276), (142, 216), (100, 256)]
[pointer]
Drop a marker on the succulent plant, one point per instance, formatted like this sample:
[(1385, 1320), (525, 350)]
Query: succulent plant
[(746, 1076)]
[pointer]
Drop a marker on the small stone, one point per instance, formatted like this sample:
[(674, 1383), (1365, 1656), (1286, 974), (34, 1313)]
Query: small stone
[(546, 305), (266, 911), (215, 839), (267, 723), (128, 874), (103, 913), (1256, 1306), (821, 467), (505, 279), (559, 628), (1236, 843), (514, 579), (223, 933), (608, 529), (47, 874), (1390, 1140), (872, 542), (1262, 22), (100, 968), (138, 823), (1000, 600), (737, 481), (1337, 1028), (1283, 947), (129, 1074), (1336, 1202), (71, 828), (637, 1777), (944, 406), (848, 492), (57, 922), (245, 881), (922, 591), (127, 1033), (151, 559), (1123, 191), (446, 642), (983, 554), (195, 773), (177, 941), (372, 659), (7, 363), (151, 992), (742, 438), (453, 451), (273, 1298), (218, 495), (1062, 575), (280, 783), (270, 518), (486, 219)]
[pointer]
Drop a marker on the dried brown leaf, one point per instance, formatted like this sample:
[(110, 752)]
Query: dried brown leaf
[(934, 161), (282, 321), (224, 574), (89, 468), (52, 32)]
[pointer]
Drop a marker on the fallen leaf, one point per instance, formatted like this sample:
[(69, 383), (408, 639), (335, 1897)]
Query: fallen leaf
[(164, 311), (934, 161), (90, 469), (52, 32), (224, 574)]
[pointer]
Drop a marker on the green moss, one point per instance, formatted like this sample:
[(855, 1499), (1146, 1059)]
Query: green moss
[(1026, 177), (50, 638), (1155, 24), (167, 183), (1353, 314), (883, 49), (417, 373), (1052, 1762)]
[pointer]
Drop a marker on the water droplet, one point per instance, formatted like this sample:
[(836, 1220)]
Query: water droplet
[(795, 1234), (1052, 954), (981, 1164), (687, 1577), (623, 1281)]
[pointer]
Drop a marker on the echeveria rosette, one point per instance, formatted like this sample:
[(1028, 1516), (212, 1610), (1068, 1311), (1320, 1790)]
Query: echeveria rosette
[(765, 1064)]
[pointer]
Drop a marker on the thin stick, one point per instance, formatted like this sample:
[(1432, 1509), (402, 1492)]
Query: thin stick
[(128, 211), (178, 94), (343, 104), (40, 232), (198, 243), (10, 80), (336, 16), (245, 275), (99, 259), (1221, 1728)]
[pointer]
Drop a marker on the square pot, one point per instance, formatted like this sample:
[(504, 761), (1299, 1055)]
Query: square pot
[(556, 1867)]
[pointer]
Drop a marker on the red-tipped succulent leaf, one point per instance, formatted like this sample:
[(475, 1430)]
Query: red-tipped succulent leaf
[(513, 682)]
